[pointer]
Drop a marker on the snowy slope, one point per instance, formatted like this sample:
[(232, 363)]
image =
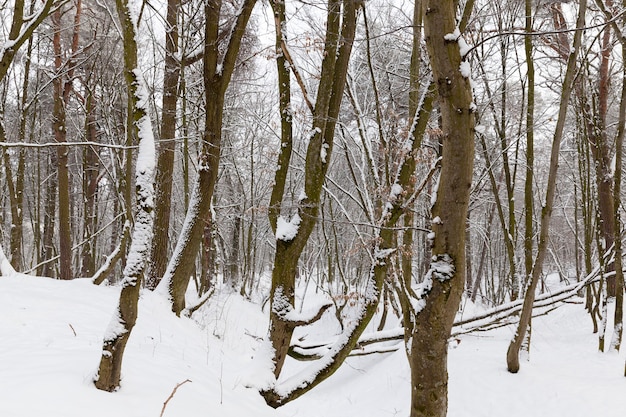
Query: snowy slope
[(50, 341)]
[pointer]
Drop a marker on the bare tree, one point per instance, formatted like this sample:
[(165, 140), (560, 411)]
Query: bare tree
[(165, 164), (546, 213), (219, 58), (290, 243)]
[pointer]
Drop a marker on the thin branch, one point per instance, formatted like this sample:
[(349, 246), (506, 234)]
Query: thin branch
[(57, 144), (172, 395), (549, 32)]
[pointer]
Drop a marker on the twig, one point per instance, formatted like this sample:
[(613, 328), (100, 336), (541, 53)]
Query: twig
[(172, 395)]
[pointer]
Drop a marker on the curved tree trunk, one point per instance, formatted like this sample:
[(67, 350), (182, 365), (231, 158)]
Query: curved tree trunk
[(337, 50), (124, 318), (218, 69)]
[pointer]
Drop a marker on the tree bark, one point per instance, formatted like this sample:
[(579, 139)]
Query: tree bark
[(337, 50), (444, 283), (62, 83), (124, 318), (530, 146), (157, 263), (546, 213), (90, 190), (218, 69)]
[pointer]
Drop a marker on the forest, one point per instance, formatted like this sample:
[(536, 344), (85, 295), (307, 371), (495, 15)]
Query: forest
[(366, 177)]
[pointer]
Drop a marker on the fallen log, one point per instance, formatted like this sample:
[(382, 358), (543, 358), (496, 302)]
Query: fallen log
[(499, 316)]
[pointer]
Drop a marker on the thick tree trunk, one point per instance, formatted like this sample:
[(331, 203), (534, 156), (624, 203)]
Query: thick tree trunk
[(337, 50), (444, 284)]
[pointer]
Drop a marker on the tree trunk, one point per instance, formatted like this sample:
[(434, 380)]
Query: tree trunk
[(218, 69), (529, 231), (123, 320), (49, 214), (618, 322), (546, 213), (62, 83), (157, 263), (337, 50), (445, 281), (90, 191)]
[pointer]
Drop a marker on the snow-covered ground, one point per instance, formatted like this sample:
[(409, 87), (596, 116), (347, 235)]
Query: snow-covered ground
[(51, 337)]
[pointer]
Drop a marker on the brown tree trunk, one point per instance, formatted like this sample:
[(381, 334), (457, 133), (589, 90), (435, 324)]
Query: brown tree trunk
[(546, 213), (157, 263), (444, 284), (62, 83), (602, 154), (49, 214), (124, 318), (90, 191), (529, 230), (337, 50), (619, 142), (218, 69)]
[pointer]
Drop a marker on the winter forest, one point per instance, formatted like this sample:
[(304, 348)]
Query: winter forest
[(312, 208)]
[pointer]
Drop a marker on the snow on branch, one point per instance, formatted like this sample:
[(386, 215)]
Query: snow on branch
[(283, 308)]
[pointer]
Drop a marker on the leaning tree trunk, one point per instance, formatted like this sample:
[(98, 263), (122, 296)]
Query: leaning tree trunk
[(219, 64), (444, 283), (124, 318), (337, 51), (512, 355)]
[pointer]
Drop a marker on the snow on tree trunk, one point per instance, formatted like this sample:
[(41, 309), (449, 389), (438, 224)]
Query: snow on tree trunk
[(437, 303), (125, 316), (219, 58)]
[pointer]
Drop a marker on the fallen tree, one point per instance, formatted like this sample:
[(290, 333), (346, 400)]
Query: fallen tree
[(499, 316)]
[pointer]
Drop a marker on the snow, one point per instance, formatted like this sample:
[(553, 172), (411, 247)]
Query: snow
[(6, 269), (396, 191), (324, 152), (452, 37), (464, 48), (51, 338), (465, 69), (287, 230), (302, 195)]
